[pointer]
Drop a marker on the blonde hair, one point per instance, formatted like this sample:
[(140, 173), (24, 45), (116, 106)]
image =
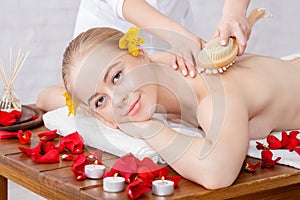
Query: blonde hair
[(80, 47)]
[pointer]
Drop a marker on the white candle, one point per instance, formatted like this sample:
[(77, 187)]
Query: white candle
[(113, 184), (94, 171), (162, 187)]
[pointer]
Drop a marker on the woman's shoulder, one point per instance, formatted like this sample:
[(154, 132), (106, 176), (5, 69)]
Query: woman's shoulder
[(51, 98)]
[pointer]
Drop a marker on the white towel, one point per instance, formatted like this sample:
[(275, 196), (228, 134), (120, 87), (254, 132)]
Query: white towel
[(97, 135), (287, 158), (291, 56), (100, 136)]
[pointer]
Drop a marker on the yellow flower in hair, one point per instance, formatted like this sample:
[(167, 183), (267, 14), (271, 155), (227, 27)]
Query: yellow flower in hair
[(72, 106), (130, 41)]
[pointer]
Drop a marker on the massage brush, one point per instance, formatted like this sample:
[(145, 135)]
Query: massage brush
[(215, 58)]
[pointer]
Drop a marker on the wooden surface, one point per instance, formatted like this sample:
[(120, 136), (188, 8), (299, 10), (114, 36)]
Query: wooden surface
[(56, 181), (26, 121)]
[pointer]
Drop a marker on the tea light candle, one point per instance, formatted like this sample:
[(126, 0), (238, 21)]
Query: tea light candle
[(162, 187), (113, 184), (94, 171)]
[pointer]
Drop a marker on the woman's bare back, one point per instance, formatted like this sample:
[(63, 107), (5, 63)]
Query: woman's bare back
[(271, 90), (268, 87)]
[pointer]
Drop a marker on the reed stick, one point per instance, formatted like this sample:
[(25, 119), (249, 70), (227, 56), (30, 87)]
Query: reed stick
[(8, 101), (13, 71), (3, 75), (20, 61)]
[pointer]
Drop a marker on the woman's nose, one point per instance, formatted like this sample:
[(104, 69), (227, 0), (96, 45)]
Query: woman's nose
[(120, 99)]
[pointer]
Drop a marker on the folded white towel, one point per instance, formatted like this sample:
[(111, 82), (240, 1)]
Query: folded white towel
[(98, 135)]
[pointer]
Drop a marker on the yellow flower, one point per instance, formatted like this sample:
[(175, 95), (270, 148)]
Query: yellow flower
[(72, 106), (130, 41)]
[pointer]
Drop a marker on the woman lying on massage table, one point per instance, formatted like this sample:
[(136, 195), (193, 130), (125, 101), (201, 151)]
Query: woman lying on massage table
[(256, 96)]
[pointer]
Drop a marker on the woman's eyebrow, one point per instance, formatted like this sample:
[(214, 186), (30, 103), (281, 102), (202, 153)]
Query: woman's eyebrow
[(110, 69), (91, 98), (105, 79)]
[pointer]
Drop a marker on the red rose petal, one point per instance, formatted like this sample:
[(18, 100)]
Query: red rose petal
[(145, 176), (17, 114), (135, 189), (32, 151), (67, 157), (150, 165), (7, 134), (51, 156), (261, 146), (24, 137), (125, 166), (48, 135), (78, 167), (7, 118), (73, 142), (163, 172), (46, 147), (267, 161), (251, 167), (274, 142)]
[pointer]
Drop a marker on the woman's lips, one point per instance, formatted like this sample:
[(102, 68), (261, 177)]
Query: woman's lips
[(134, 108)]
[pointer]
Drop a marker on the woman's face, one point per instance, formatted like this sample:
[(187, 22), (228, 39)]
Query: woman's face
[(122, 91)]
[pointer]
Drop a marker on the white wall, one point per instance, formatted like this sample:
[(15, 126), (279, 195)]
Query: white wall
[(45, 28), (42, 27), (275, 37)]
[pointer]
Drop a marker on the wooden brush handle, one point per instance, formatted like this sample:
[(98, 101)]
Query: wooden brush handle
[(255, 15), (215, 56)]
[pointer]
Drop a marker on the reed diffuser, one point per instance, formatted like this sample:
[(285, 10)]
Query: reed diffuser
[(9, 100)]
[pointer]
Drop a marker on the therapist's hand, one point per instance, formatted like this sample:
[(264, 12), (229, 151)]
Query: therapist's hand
[(234, 25), (185, 53), (185, 45)]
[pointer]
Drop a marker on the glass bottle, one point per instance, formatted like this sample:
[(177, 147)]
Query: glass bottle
[(9, 101)]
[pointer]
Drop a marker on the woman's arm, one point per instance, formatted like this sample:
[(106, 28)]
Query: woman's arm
[(220, 167), (51, 98)]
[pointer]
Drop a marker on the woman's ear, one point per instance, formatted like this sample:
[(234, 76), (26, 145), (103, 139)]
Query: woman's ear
[(144, 54)]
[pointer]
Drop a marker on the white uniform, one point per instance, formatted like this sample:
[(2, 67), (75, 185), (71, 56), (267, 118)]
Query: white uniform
[(108, 13)]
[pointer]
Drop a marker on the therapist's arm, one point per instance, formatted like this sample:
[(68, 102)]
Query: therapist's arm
[(183, 42), (234, 23)]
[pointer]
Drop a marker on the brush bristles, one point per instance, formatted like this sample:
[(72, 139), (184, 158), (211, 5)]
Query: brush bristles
[(214, 55)]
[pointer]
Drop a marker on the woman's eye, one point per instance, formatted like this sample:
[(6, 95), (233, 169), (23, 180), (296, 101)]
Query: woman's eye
[(116, 77), (100, 101)]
